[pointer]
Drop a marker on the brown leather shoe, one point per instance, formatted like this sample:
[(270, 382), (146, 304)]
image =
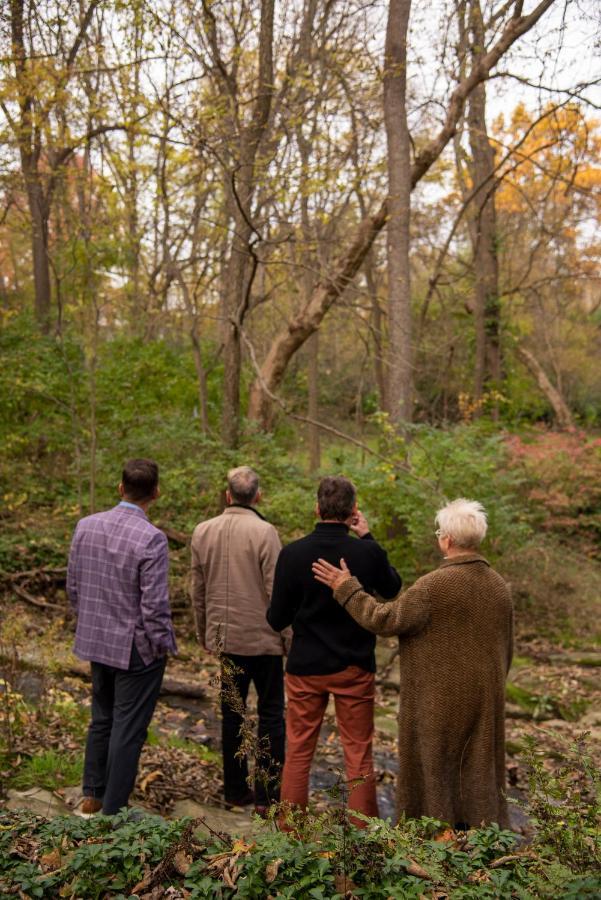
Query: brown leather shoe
[(89, 806)]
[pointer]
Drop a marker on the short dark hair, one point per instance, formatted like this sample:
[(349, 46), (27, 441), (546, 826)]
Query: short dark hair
[(336, 497), (140, 479), (243, 484)]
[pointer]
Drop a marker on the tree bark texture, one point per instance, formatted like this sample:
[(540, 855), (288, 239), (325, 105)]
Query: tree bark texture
[(313, 404), (399, 357), (344, 269), (28, 138), (378, 331), (241, 265), (484, 230)]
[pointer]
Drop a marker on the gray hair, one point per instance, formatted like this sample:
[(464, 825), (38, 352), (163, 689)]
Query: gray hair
[(464, 521), (243, 484)]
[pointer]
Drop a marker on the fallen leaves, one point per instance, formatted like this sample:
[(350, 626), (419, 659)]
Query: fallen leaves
[(344, 885), (414, 868), (181, 862), (272, 869), (51, 861), (148, 779), (224, 865), (168, 774)]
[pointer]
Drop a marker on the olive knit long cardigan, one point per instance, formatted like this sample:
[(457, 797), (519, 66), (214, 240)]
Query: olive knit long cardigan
[(455, 628)]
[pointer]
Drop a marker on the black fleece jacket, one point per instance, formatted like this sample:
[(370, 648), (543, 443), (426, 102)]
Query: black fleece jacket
[(326, 639)]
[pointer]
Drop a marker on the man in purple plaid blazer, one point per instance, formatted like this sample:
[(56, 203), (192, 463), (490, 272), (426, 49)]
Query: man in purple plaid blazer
[(117, 584)]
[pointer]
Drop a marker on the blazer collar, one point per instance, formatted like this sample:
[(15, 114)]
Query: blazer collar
[(131, 508), (468, 557), (239, 509)]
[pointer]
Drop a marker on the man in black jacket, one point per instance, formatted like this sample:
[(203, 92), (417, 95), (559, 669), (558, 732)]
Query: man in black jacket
[(330, 653)]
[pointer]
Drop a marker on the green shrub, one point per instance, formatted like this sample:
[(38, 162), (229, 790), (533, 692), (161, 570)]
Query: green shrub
[(402, 492), (565, 804)]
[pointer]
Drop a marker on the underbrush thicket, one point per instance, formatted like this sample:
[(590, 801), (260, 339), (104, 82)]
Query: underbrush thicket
[(542, 490), (142, 398)]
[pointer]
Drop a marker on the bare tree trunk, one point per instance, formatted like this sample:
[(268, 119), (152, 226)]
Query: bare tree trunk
[(201, 375), (378, 331), (232, 351), (558, 404), (484, 236), (242, 265), (399, 357), (313, 405), (310, 262), (39, 212), (344, 269), (28, 138), (132, 197)]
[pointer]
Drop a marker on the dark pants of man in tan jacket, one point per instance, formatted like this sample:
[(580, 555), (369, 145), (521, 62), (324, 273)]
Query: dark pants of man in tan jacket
[(266, 672)]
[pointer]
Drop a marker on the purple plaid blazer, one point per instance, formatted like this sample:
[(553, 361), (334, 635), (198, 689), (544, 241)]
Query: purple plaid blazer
[(117, 584)]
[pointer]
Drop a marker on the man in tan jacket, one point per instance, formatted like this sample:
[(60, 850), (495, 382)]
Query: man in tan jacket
[(233, 564)]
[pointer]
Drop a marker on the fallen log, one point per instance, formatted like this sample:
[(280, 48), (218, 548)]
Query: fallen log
[(183, 689), (52, 573), (175, 686), (35, 601), (514, 857), (178, 537), (18, 583)]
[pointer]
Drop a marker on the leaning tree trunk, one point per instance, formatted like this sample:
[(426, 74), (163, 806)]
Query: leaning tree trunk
[(399, 391), (345, 267), (560, 408)]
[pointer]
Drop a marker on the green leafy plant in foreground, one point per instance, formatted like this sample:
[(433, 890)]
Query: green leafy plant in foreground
[(115, 856)]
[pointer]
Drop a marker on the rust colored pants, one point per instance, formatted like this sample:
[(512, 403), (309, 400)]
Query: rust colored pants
[(353, 690)]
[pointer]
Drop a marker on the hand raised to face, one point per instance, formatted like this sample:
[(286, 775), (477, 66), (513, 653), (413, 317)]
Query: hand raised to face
[(359, 524), (330, 575)]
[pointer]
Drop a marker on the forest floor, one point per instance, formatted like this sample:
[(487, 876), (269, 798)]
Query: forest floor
[(554, 696)]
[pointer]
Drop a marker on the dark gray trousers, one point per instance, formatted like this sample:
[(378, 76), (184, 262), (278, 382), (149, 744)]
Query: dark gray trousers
[(123, 703)]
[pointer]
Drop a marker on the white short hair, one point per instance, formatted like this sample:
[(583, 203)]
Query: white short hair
[(464, 521)]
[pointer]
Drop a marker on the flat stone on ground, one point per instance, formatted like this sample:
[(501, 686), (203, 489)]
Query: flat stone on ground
[(222, 820), (38, 801)]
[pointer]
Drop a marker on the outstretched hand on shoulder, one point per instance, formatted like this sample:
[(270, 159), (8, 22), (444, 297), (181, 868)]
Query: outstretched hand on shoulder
[(330, 575)]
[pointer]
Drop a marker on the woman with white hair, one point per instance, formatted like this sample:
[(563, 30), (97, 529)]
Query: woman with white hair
[(455, 629)]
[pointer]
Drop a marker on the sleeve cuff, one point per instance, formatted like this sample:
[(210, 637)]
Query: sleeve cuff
[(164, 647), (368, 536), (347, 590)]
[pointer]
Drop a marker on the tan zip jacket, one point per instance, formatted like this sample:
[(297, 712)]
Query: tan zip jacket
[(233, 563)]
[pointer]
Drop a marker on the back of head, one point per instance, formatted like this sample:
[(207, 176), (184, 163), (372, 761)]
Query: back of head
[(336, 497), (140, 479), (243, 485), (464, 521)]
